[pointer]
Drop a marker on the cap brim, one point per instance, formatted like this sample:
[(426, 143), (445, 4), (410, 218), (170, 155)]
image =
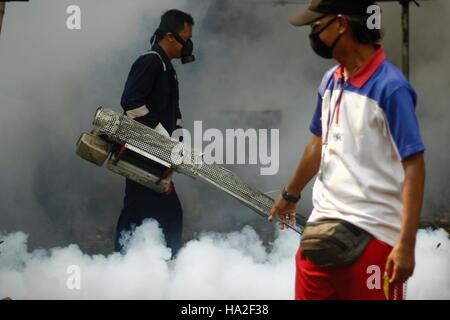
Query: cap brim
[(305, 17)]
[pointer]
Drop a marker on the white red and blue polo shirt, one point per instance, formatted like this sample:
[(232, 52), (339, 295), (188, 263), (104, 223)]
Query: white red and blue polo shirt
[(368, 126)]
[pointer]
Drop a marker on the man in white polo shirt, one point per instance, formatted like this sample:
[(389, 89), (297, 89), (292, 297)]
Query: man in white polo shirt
[(367, 151)]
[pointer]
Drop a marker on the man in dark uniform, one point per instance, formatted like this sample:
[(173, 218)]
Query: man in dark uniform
[(151, 98)]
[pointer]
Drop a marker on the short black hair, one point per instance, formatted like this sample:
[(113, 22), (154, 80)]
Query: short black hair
[(171, 21), (174, 20), (361, 33)]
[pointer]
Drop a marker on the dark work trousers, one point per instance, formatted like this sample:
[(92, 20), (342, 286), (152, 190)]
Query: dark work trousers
[(142, 203)]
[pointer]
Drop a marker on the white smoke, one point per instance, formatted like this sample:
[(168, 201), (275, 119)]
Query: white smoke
[(431, 277), (53, 79), (215, 266)]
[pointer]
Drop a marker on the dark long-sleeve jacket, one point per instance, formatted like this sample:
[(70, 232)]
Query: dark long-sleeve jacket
[(151, 93)]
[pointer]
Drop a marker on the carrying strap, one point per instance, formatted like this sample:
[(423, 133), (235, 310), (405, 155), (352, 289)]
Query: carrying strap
[(159, 56)]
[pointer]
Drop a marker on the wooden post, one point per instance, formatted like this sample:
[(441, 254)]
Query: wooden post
[(405, 38), (405, 33), (2, 12)]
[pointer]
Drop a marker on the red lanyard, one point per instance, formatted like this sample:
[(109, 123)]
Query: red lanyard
[(336, 109)]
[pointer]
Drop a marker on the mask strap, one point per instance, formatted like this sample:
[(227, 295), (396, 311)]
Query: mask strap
[(177, 37), (326, 26), (336, 41), (161, 33)]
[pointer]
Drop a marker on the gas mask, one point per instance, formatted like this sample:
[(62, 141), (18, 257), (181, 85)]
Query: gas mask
[(187, 49), (319, 47)]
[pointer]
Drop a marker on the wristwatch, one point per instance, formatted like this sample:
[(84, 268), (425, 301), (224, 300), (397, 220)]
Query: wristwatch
[(290, 198)]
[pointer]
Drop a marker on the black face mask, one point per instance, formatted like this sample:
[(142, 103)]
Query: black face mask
[(319, 47), (187, 50)]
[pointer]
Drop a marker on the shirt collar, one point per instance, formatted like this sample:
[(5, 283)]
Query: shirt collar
[(156, 47), (363, 74)]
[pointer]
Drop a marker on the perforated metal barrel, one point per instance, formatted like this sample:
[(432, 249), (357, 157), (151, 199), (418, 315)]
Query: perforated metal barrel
[(121, 129)]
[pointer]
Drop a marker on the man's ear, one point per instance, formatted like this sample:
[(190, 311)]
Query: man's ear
[(343, 23), (169, 36)]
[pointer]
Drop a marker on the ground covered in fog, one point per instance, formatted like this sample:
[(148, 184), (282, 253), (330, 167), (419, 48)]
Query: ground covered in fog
[(214, 266)]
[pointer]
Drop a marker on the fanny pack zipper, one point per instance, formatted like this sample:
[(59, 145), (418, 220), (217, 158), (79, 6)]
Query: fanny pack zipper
[(337, 242)]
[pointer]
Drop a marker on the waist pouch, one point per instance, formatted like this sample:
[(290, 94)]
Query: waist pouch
[(333, 243)]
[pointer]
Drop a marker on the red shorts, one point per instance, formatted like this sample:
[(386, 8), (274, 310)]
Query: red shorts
[(361, 280)]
